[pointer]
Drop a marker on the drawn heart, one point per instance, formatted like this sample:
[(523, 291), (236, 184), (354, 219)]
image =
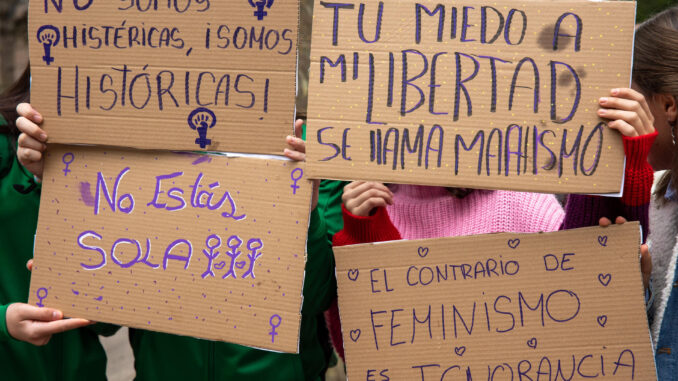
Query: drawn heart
[(602, 240), (532, 343), (602, 320), (353, 274), (604, 279), (220, 265), (460, 351), (513, 243), (355, 335), (423, 251)]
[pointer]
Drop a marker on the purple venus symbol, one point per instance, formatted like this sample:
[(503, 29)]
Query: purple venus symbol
[(41, 294), (300, 174), (67, 159), (200, 120), (48, 36), (274, 325), (260, 4)]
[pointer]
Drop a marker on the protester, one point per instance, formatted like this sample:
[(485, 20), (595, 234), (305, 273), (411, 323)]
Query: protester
[(31, 342), (377, 212), (655, 74), (160, 356)]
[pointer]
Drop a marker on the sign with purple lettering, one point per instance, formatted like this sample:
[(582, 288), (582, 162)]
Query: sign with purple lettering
[(195, 245), (496, 95), (130, 73), (545, 306)]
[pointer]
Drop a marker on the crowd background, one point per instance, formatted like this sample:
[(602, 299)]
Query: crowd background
[(13, 60)]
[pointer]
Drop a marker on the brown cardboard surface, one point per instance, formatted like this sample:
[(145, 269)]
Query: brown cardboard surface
[(358, 128), (137, 70), (562, 305), (243, 212)]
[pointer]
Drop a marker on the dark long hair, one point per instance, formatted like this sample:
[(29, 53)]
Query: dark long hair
[(655, 69), (17, 93)]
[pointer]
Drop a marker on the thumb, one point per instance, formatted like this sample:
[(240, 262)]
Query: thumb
[(29, 312)]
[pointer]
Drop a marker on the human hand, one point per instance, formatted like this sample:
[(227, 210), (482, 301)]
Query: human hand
[(36, 325), (360, 197), (628, 111), (645, 257), (298, 153), (32, 139)]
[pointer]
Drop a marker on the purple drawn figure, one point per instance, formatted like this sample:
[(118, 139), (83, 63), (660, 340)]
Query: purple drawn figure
[(234, 242), (300, 174), (275, 322), (48, 36), (67, 159), (260, 4), (212, 254), (41, 294), (254, 245), (200, 120)]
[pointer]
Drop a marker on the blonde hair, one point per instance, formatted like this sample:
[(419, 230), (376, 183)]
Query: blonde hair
[(655, 69)]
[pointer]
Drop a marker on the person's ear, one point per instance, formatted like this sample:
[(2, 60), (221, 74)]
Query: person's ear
[(670, 106)]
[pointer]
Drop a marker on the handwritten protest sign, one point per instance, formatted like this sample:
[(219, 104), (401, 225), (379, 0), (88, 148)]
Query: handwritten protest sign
[(499, 94), (567, 305), (197, 245), (180, 75)]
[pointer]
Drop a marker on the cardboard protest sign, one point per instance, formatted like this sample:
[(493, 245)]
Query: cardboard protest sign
[(500, 94), (198, 245), (179, 75), (567, 305)]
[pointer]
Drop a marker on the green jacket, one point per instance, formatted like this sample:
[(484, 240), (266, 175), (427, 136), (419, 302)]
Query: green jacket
[(160, 356), (75, 355)]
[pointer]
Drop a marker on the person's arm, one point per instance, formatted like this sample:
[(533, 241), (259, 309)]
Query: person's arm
[(365, 220), (375, 227), (583, 210), (630, 115), (320, 285), (364, 214)]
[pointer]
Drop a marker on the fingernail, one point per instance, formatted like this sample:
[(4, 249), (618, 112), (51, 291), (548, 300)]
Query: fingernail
[(37, 118), (43, 137), (615, 91), (603, 100), (601, 112), (55, 315)]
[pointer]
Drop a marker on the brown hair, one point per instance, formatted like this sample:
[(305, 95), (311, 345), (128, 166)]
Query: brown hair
[(655, 68), (17, 93)]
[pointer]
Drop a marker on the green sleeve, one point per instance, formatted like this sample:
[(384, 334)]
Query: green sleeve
[(4, 334), (319, 284), (104, 329), (329, 205)]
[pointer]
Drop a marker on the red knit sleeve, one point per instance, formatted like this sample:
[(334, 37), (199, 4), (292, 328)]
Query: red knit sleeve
[(583, 210), (357, 229), (639, 175)]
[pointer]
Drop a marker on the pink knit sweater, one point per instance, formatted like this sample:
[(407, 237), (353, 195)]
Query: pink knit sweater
[(430, 212)]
